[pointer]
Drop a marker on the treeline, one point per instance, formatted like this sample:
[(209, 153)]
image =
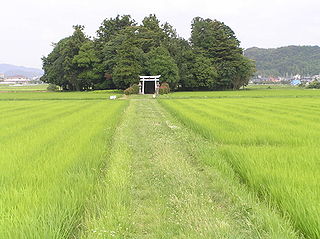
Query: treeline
[(122, 50), (286, 61)]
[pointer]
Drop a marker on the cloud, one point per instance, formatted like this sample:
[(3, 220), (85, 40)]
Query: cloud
[(29, 27)]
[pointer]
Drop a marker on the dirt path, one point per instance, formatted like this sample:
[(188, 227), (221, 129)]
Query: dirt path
[(160, 182)]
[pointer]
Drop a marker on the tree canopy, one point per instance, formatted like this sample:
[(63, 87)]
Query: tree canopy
[(286, 61), (122, 50)]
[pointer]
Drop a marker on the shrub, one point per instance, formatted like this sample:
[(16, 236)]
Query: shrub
[(134, 89), (314, 85), (53, 87), (164, 88), (128, 91), (107, 84)]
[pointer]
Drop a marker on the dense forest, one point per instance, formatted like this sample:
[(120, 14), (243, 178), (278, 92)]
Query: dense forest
[(286, 61), (123, 49)]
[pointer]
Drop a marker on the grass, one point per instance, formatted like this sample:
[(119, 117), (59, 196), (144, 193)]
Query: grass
[(27, 95), (263, 92), (270, 86), (20, 88), (51, 153), (188, 165), (163, 182), (272, 143)]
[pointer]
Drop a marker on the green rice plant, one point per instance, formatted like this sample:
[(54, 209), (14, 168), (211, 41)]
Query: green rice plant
[(51, 156), (280, 92), (271, 142), (43, 95), (20, 88)]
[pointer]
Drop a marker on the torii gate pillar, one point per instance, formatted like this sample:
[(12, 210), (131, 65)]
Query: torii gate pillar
[(147, 80)]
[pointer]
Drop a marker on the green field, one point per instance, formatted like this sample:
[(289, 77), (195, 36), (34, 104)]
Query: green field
[(250, 92), (273, 143), (51, 154), (235, 164), (46, 95), (19, 88)]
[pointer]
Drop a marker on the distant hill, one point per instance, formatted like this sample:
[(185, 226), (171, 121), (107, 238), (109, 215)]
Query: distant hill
[(286, 61), (12, 70)]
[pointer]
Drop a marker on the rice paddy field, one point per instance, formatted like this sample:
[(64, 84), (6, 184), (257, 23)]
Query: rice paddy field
[(19, 88), (51, 154), (45, 95), (272, 91), (235, 164), (271, 142)]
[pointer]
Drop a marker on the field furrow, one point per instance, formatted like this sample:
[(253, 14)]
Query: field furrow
[(271, 143), (49, 169), (159, 183)]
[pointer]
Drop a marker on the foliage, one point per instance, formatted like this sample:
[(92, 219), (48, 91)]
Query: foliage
[(110, 27), (59, 66), (105, 84), (53, 87), (314, 85), (286, 61), (87, 62), (236, 73), (134, 89), (161, 63), (216, 39), (204, 74), (217, 42), (164, 88), (106, 43), (128, 68), (122, 50)]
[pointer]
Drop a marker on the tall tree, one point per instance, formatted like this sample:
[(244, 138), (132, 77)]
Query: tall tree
[(110, 27), (72, 49), (87, 62), (184, 56), (122, 50), (128, 65), (245, 69), (53, 65), (114, 54), (59, 62), (161, 63), (149, 35), (215, 38), (218, 42), (108, 30), (204, 73)]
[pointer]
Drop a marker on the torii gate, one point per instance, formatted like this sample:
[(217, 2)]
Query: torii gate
[(149, 84)]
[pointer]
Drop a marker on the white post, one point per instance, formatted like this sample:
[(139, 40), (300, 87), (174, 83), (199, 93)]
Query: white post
[(158, 86), (143, 87), (155, 86)]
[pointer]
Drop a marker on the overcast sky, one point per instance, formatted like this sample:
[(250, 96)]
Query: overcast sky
[(27, 28)]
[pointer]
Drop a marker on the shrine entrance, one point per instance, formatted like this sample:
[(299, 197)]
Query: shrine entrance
[(149, 84), (149, 87)]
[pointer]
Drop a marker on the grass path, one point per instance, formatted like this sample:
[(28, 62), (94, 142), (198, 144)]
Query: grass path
[(163, 181)]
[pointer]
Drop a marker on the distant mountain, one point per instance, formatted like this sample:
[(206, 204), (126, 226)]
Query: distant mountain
[(286, 61), (12, 70)]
